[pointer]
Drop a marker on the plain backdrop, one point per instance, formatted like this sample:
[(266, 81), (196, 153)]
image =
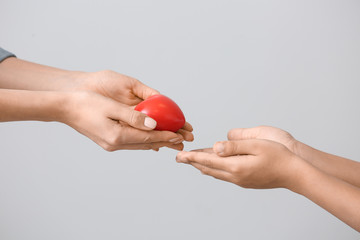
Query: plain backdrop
[(289, 64)]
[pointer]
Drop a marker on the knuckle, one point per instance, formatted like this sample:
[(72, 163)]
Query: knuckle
[(134, 118), (147, 92), (147, 138), (114, 139), (108, 148), (204, 170), (216, 177), (234, 169), (238, 181), (231, 133), (208, 163), (230, 147), (106, 72)]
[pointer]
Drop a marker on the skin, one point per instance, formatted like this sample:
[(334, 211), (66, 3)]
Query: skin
[(99, 105), (339, 167), (267, 157)]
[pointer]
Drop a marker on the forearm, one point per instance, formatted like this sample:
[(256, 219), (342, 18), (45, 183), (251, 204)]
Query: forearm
[(339, 167), (21, 105), (20, 74), (334, 195)]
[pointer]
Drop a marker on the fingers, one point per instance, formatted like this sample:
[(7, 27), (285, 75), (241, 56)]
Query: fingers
[(187, 126), (188, 136), (205, 159), (151, 146), (142, 91), (216, 173), (132, 117), (185, 131), (243, 133), (129, 135), (241, 147)]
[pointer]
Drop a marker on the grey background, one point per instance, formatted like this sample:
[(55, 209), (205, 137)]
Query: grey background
[(290, 64)]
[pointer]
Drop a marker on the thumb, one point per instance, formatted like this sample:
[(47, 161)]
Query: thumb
[(134, 118)]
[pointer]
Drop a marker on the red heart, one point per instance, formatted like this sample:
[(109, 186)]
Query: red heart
[(164, 111)]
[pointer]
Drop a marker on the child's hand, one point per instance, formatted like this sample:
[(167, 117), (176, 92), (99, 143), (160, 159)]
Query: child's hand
[(264, 132), (250, 163)]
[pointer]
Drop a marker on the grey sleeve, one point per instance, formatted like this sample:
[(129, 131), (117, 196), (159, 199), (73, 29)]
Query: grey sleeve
[(5, 54)]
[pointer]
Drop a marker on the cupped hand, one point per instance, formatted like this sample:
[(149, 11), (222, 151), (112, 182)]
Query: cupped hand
[(114, 125), (250, 163), (123, 89)]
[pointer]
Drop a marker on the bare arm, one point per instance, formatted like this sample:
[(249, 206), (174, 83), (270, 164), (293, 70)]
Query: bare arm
[(339, 167), (19, 74), (20, 105), (334, 195)]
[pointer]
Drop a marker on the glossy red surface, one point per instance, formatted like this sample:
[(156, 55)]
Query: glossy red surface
[(164, 111)]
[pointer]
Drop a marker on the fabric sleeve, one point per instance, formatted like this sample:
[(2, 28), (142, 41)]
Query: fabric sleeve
[(5, 54)]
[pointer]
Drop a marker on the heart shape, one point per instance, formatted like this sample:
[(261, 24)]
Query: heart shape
[(164, 111)]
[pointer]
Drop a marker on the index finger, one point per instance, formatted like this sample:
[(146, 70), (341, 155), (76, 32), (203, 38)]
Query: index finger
[(142, 91), (209, 160), (187, 126), (188, 136)]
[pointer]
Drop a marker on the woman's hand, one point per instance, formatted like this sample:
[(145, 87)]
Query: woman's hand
[(249, 163), (121, 88), (114, 125)]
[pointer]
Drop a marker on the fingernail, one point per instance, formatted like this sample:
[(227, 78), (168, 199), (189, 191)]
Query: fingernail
[(219, 148), (150, 123), (178, 142), (174, 140)]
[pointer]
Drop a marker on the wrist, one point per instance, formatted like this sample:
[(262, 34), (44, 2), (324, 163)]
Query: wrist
[(48, 106), (66, 81), (301, 175), (20, 105), (305, 152), (60, 110), (301, 150), (71, 106)]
